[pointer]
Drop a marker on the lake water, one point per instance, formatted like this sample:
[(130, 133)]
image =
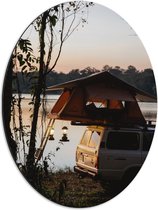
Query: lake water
[(65, 156)]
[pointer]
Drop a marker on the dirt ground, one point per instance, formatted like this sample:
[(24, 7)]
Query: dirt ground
[(68, 189)]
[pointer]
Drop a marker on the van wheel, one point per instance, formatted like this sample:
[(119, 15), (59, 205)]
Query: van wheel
[(112, 188), (129, 176)]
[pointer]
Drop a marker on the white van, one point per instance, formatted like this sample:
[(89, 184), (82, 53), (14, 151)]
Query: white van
[(113, 154)]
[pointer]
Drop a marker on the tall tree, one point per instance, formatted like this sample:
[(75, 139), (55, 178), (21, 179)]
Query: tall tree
[(64, 18), (6, 109), (20, 57)]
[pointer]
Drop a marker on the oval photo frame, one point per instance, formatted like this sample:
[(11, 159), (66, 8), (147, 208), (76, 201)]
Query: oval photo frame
[(106, 103)]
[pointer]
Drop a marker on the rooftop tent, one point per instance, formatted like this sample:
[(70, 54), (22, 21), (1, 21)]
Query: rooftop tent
[(99, 98)]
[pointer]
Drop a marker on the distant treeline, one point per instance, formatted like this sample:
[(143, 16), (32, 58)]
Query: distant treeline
[(143, 80)]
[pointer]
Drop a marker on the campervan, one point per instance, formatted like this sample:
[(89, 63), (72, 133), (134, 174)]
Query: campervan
[(113, 154)]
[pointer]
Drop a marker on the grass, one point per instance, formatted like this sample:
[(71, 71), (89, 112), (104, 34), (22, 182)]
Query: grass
[(66, 188)]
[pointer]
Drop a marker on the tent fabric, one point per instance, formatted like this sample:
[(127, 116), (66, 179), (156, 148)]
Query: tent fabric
[(133, 113), (59, 105), (98, 99), (100, 92), (110, 81), (113, 111)]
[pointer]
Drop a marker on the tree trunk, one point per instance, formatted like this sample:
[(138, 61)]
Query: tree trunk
[(39, 88), (6, 109)]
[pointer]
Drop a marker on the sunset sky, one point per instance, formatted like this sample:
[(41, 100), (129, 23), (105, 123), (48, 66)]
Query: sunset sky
[(106, 39)]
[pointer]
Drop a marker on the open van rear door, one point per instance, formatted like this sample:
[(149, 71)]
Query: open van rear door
[(87, 150)]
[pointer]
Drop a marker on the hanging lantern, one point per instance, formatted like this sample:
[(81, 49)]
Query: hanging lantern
[(51, 134), (64, 137)]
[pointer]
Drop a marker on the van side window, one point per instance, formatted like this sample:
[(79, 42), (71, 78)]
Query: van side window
[(95, 139), (86, 137), (147, 140), (123, 141)]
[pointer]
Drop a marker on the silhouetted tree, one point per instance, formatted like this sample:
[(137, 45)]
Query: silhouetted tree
[(55, 17), (6, 109)]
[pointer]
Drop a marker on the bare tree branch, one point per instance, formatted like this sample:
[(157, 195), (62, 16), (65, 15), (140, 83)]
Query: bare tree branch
[(61, 39), (50, 47)]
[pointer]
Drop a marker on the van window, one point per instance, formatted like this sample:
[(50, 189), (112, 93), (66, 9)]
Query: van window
[(86, 137), (123, 141), (95, 139), (147, 140)]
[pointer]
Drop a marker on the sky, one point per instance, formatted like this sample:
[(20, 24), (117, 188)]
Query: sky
[(107, 39)]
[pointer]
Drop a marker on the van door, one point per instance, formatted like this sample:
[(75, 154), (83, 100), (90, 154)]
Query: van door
[(87, 150), (147, 140), (120, 152)]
